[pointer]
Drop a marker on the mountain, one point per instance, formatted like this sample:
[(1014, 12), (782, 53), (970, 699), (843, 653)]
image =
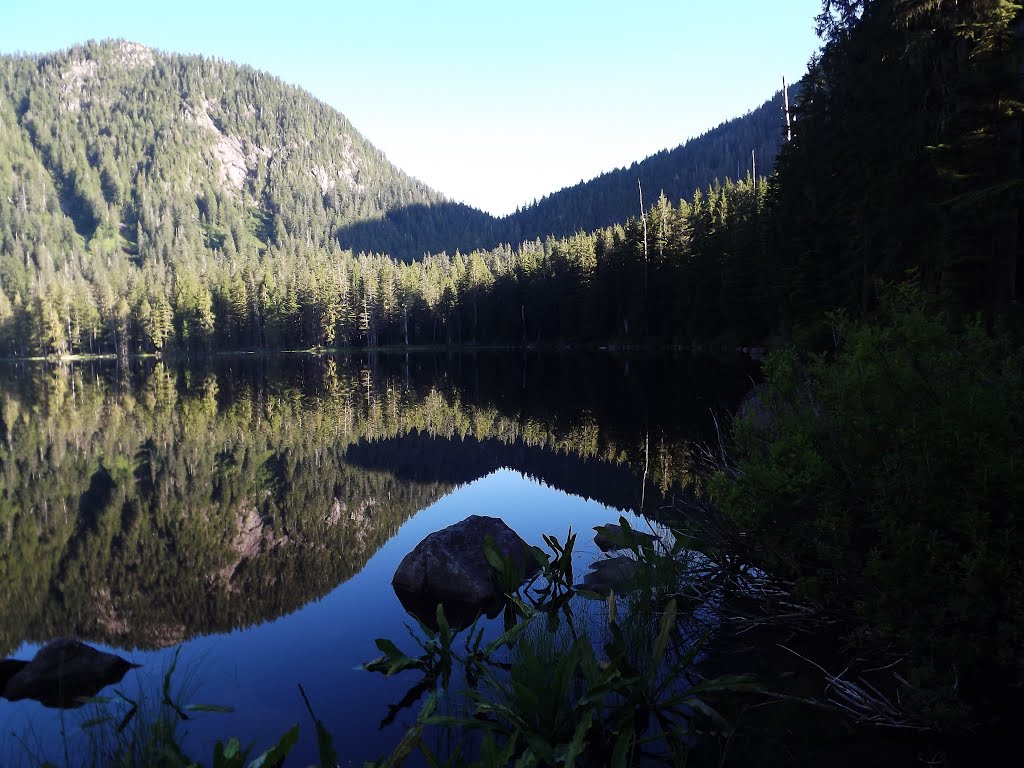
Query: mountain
[(722, 153), (611, 198), (115, 148), (152, 201), (118, 147)]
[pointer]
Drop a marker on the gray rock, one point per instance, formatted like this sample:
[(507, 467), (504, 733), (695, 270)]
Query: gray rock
[(63, 671), (609, 536), (449, 565), (611, 573), (756, 408)]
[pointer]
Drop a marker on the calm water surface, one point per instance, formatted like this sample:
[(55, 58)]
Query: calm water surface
[(248, 513)]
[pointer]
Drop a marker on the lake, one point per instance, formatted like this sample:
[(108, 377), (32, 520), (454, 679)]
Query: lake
[(245, 514)]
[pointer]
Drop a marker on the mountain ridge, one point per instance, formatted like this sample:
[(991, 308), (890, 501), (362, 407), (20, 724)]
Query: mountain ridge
[(292, 165), (695, 164)]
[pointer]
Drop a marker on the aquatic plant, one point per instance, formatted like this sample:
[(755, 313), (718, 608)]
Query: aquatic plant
[(542, 694)]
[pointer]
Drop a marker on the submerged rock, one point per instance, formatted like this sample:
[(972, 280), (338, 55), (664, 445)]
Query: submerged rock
[(613, 536), (457, 614), (449, 566), (609, 574), (63, 671)]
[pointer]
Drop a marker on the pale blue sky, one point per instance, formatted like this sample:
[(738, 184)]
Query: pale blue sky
[(492, 103)]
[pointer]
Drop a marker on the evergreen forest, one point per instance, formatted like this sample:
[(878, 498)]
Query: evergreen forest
[(155, 202)]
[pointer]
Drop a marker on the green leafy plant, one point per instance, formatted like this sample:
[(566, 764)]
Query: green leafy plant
[(232, 755), (127, 732), (540, 694), (562, 705), (886, 484)]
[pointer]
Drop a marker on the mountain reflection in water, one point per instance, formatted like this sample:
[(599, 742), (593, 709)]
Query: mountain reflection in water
[(150, 505)]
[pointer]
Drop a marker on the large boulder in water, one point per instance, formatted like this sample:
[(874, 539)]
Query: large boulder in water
[(63, 671), (449, 566)]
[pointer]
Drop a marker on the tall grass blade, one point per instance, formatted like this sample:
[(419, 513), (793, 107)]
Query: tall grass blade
[(668, 622), (324, 741)]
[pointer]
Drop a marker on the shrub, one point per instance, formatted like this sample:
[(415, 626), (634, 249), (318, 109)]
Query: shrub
[(887, 482)]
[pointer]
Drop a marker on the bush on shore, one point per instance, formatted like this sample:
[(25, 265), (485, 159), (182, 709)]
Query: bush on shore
[(884, 478)]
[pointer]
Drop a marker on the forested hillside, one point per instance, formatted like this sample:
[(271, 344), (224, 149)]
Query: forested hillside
[(695, 281), (125, 173), (722, 153), (150, 200), (150, 152)]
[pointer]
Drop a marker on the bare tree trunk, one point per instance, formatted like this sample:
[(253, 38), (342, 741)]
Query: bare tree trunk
[(647, 462), (785, 107), (643, 219)]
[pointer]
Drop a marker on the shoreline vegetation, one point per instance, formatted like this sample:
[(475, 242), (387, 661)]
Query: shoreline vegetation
[(173, 356)]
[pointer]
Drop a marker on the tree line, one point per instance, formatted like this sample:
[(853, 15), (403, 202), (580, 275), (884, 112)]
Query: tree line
[(117, 237), (694, 275)]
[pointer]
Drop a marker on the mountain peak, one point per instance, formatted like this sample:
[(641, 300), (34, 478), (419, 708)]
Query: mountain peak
[(132, 54), (119, 140)]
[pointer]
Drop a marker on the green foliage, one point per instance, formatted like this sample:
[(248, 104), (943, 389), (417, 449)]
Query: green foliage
[(922, 173), (551, 588), (886, 481), (127, 733), (324, 740), (507, 570), (231, 755), (436, 660), (540, 694), (625, 537)]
